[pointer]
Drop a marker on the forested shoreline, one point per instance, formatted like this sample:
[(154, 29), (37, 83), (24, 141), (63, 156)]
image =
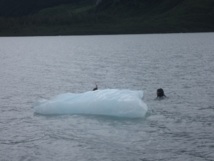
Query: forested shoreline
[(88, 17)]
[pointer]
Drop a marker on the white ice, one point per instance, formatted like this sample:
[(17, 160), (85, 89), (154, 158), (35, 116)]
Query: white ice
[(109, 102)]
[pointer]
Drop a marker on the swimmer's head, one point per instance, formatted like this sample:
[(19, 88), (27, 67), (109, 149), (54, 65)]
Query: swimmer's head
[(160, 93)]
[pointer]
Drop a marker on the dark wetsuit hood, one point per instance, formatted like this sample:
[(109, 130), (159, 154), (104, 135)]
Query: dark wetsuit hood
[(160, 93)]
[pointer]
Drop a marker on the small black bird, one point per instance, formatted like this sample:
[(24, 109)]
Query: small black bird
[(95, 88)]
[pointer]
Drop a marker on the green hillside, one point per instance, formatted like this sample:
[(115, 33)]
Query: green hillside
[(114, 17)]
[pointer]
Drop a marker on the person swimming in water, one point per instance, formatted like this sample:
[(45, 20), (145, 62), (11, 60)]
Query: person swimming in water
[(160, 94)]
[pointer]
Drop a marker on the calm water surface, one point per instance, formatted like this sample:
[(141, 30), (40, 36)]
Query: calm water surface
[(178, 128)]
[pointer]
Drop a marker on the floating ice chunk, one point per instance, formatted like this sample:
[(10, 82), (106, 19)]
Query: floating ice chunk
[(110, 102)]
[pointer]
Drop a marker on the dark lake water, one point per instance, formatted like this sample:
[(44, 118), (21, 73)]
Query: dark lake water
[(178, 128)]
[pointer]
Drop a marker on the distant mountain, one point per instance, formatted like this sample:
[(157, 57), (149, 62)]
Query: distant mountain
[(26, 7), (65, 17)]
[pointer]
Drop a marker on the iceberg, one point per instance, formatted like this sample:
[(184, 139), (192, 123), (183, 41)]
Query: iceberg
[(109, 102)]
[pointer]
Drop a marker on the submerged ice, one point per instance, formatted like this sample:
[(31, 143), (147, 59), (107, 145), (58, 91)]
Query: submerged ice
[(109, 102)]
